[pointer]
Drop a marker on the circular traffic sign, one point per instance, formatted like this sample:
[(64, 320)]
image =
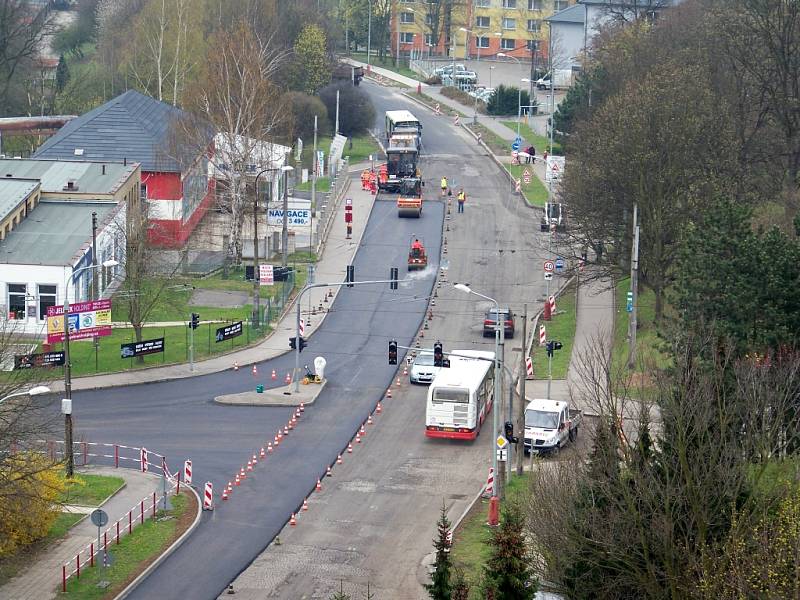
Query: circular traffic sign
[(99, 517), (526, 176), (549, 266), (515, 145)]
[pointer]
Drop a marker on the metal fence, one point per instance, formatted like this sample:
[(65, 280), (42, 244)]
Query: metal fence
[(339, 186)]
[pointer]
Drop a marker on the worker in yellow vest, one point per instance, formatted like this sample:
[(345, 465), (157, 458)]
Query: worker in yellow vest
[(462, 197), (444, 186)]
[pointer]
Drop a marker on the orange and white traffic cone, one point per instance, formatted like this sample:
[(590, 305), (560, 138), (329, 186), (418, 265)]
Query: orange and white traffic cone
[(288, 379), (398, 382), (339, 459), (358, 438), (305, 505), (369, 420), (236, 480), (290, 424), (488, 489), (378, 408), (235, 366), (389, 393), (249, 465), (285, 430), (362, 431), (255, 459), (262, 454), (274, 375), (255, 370), (302, 407), (292, 520), (225, 494), (269, 448), (349, 447), (329, 472), (242, 474), (319, 486)]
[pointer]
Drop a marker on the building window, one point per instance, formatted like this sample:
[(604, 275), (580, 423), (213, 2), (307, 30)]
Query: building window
[(47, 298), (143, 192), (406, 38), (482, 42), (429, 39), (560, 5), (16, 300), (532, 45), (535, 4), (428, 19), (406, 17), (509, 23), (482, 21), (482, 3), (509, 3), (534, 25), (408, 1), (508, 44)]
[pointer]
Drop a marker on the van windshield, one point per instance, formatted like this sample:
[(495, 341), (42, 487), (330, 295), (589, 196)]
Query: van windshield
[(541, 419)]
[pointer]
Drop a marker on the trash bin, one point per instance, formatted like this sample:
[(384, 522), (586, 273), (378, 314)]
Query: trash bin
[(259, 389)]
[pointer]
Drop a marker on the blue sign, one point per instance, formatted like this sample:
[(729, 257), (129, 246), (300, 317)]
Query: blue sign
[(629, 303), (515, 145), (559, 265)]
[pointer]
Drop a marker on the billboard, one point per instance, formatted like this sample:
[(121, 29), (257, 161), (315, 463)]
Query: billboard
[(44, 359), (295, 217), (85, 319), (229, 331), (141, 348)]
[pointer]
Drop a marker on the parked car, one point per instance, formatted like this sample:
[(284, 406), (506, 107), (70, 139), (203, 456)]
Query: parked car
[(466, 76), (422, 369), (490, 320), (448, 68)]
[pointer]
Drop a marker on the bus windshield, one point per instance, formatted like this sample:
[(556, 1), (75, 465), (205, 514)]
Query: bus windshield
[(541, 419), (451, 394)]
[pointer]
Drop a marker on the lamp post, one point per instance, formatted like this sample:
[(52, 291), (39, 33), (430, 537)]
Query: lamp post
[(466, 43), (491, 68), (497, 389), (519, 90), (34, 391), (369, 33), (66, 403), (256, 277)]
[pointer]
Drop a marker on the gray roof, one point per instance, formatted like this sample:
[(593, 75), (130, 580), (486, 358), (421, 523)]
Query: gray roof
[(572, 14), (54, 174), (132, 126), (654, 4), (53, 233), (14, 192)]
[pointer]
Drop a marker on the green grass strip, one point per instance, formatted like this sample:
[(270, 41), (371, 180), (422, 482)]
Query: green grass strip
[(561, 328), (90, 490)]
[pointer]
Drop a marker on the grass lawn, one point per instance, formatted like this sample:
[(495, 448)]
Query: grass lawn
[(90, 490), (535, 192), (497, 144), (561, 328), (540, 142), (647, 340), (64, 521), (470, 541), (388, 64), (133, 553), (323, 185)]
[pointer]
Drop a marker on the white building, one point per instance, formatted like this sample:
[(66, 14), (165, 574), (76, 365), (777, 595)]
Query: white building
[(567, 37), (599, 12)]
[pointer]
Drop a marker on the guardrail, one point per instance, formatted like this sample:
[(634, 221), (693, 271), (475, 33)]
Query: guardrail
[(339, 187)]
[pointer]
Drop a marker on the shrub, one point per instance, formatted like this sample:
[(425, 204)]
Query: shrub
[(356, 113), (304, 109), (505, 99), (463, 97)]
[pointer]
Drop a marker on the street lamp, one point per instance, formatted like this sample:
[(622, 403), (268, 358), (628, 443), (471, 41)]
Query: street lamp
[(466, 43), (497, 389), (34, 391), (519, 89), (66, 403), (369, 33)]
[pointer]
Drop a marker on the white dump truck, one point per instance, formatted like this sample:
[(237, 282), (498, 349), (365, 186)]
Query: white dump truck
[(550, 425)]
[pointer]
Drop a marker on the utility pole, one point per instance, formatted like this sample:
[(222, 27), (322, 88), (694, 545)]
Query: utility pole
[(285, 230), (95, 293), (314, 175), (256, 268), (66, 404), (519, 426), (632, 324), (369, 33)]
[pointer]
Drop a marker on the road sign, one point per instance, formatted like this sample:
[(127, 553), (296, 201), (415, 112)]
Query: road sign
[(548, 276), (629, 302), (515, 145), (526, 176), (502, 442), (99, 517), (559, 265), (549, 266), (502, 455), (554, 168), (518, 140)]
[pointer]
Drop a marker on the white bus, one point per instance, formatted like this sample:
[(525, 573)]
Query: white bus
[(461, 396), (404, 120)]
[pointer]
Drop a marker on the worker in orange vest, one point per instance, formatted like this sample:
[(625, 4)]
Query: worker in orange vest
[(365, 179)]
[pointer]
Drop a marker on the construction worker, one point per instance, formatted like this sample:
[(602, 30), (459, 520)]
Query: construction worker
[(365, 179), (444, 186), (373, 182), (462, 197), (417, 245)]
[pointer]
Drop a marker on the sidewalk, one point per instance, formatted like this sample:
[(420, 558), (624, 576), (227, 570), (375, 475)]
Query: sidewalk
[(42, 578), (336, 254), (387, 73)]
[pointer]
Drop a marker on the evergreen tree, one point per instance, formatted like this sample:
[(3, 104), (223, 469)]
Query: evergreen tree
[(440, 586), (62, 74), (508, 574)]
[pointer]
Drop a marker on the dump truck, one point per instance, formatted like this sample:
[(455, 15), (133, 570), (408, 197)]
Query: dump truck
[(344, 71), (409, 202), (417, 258)]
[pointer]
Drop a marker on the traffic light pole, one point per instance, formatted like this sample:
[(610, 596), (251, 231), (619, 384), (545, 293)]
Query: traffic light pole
[(191, 345)]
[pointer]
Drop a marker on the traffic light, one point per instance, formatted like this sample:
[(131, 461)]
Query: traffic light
[(393, 274), (438, 355), (553, 346), (393, 352), (351, 275), (509, 427), (195, 322), (293, 343)]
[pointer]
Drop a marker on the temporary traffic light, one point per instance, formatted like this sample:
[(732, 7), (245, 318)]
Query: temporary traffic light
[(438, 355), (351, 275), (293, 343), (509, 427), (393, 352), (552, 346), (393, 274), (195, 322)]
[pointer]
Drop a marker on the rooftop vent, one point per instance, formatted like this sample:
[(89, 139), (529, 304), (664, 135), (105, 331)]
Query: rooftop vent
[(71, 186), (78, 151)]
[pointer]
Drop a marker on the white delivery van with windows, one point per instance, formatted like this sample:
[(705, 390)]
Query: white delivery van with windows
[(550, 425)]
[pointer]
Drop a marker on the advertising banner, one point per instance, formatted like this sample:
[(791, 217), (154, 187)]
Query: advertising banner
[(45, 359), (141, 348), (85, 320), (297, 217), (266, 275), (229, 331)]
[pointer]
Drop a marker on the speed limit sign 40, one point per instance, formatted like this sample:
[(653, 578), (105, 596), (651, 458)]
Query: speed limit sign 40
[(549, 266)]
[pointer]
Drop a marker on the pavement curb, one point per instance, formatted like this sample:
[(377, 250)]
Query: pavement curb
[(292, 401), (174, 546)]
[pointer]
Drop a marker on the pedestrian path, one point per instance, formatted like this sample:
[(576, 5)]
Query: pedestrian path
[(388, 74), (42, 578), (337, 253)]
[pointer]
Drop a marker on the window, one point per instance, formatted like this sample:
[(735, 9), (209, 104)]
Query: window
[(16, 300), (507, 44), (429, 39), (482, 21), (509, 3), (509, 23), (428, 19), (482, 3), (406, 38), (482, 42), (47, 297), (535, 4), (532, 45), (143, 192), (406, 17), (560, 5), (408, 1), (534, 25)]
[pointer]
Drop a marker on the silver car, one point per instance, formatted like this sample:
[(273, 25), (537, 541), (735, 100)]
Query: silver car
[(422, 369)]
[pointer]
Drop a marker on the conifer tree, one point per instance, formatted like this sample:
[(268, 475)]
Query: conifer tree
[(440, 586), (508, 574)]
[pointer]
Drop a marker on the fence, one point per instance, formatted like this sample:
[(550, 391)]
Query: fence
[(327, 212)]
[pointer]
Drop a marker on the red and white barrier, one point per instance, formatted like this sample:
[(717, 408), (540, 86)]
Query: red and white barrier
[(456, 122), (488, 489), (187, 472), (143, 459), (518, 186), (528, 368), (437, 109), (542, 335), (552, 305), (208, 496)]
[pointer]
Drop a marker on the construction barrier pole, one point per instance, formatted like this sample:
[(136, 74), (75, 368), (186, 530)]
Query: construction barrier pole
[(141, 512), (78, 565), (64, 578), (154, 506), (91, 554), (116, 456), (117, 533)]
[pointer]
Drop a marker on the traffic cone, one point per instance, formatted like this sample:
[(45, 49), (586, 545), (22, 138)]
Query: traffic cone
[(302, 407), (494, 510), (369, 420), (274, 375), (297, 414), (225, 494), (389, 393), (242, 474), (339, 459), (285, 431), (362, 431), (230, 487), (291, 424), (262, 453), (288, 379), (349, 448), (398, 382), (329, 473), (319, 486), (235, 366), (269, 448), (405, 371), (293, 421), (305, 505), (236, 480), (255, 370), (255, 460), (358, 438), (292, 520), (378, 408), (422, 333), (249, 465)]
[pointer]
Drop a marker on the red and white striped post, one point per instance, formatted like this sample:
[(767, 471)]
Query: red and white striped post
[(143, 459), (542, 335), (528, 368), (208, 496), (187, 472), (116, 456)]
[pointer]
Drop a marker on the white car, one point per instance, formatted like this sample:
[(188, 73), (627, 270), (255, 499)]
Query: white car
[(422, 369)]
